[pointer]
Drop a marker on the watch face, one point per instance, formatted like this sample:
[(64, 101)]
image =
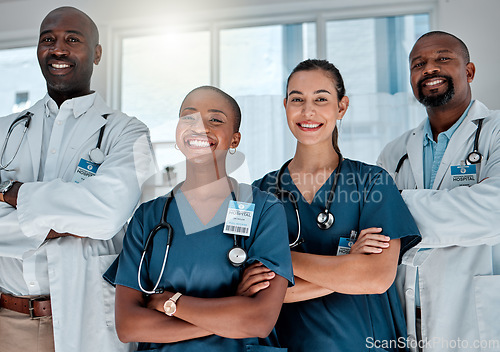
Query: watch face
[(5, 186), (169, 307)]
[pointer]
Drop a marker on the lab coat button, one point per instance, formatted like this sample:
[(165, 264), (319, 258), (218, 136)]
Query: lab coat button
[(53, 151), (59, 122), (411, 337), (32, 283), (410, 292)]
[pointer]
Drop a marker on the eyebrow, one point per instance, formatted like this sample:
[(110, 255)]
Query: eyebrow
[(209, 110), (316, 92), (437, 52), (69, 31)]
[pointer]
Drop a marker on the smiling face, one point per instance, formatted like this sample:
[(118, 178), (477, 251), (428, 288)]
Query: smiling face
[(439, 71), (67, 50), (312, 106), (206, 126)]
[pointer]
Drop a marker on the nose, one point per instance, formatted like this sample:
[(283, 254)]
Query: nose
[(430, 69), (198, 126), (308, 109), (59, 48)]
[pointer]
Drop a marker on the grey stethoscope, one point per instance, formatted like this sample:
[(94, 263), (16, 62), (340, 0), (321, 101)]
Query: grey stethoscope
[(474, 157), (236, 255), (325, 218), (96, 155)]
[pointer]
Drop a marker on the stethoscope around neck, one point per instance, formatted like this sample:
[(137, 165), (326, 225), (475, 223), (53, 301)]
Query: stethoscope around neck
[(325, 219), (236, 255), (96, 155), (474, 157)]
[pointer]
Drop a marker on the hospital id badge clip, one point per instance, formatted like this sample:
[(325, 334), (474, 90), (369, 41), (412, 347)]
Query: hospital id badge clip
[(84, 170), (463, 175), (239, 218), (345, 243)]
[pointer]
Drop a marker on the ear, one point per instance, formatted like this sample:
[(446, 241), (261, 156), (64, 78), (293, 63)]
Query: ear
[(343, 105), (235, 141), (470, 69), (284, 102), (97, 54)]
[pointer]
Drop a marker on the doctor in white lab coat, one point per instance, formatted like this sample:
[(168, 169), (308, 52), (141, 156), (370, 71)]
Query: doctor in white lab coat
[(453, 275), (61, 226)]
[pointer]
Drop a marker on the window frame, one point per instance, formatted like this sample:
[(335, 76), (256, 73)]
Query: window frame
[(275, 14)]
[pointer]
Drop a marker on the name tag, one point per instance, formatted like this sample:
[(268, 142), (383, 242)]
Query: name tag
[(345, 245), (463, 175), (239, 218), (84, 170)]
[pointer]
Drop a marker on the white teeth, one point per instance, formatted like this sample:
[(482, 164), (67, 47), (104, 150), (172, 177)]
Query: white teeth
[(309, 125), (60, 65), (433, 83), (198, 143)]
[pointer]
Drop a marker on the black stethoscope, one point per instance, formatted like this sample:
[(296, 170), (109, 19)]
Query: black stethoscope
[(96, 155), (236, 255), (474, 157), (27, 120), (325, 218)]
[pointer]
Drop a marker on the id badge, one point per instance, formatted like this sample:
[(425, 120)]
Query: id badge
[(239, 218), (84, 170), (463, 175), (345, 245)]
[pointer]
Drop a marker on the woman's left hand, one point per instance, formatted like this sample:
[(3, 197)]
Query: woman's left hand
[(255, 278)]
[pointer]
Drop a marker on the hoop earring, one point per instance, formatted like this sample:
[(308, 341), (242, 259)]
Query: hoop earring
[(232, 151), (176, 147)]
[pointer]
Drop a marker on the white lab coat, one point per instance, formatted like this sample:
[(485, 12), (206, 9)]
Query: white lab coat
[(459, 277), (96, 209)]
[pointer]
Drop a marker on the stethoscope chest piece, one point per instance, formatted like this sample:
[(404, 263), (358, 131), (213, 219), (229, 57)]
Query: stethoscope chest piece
[(237, 256), (474, 157), (325, 220), (96, 156)]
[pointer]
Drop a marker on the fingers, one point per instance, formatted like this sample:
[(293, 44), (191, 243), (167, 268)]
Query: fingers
[(255, 278), (370, 230), (370, 242)]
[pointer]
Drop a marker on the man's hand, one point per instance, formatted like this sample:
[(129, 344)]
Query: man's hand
[(10, 197)]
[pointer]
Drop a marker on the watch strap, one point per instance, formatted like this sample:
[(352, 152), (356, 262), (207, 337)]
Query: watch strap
[(175, 297)]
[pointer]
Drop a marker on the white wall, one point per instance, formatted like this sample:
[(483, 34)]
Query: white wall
[(471, 20)]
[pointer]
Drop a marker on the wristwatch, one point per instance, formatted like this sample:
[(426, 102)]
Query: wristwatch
[(5, 186), (170, 305)]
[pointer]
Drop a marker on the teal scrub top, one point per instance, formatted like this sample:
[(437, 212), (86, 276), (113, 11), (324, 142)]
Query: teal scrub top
[(365, 196), (197, 263)]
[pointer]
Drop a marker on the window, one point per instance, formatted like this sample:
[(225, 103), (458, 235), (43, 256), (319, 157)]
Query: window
[(22, 82)]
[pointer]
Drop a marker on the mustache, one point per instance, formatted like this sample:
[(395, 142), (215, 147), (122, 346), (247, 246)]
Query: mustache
[(421, 81)]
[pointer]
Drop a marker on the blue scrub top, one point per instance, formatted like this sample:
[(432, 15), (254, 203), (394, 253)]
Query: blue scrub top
[(366, 196), (197, 263)]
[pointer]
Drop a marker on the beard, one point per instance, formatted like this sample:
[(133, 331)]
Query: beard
[(436, 100)]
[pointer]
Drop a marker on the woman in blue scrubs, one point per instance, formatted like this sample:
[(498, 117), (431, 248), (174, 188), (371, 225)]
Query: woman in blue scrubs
[(196, 307), (342, 300)]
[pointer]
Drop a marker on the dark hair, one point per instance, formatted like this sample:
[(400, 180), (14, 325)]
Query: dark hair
[(334, 73), (463, 47), (234, 105)]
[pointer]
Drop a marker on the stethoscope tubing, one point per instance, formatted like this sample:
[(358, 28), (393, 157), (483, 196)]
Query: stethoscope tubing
[(27, 116), (475, 152)]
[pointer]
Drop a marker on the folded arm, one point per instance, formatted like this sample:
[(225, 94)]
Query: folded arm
[(231, 317)]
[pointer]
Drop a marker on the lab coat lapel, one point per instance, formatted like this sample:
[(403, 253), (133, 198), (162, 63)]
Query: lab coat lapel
[(34, 136), (415, 154), (87, 128), (455, 147)]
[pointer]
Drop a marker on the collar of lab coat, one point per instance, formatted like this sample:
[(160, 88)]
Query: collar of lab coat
[(94, 120), (414, 147)]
